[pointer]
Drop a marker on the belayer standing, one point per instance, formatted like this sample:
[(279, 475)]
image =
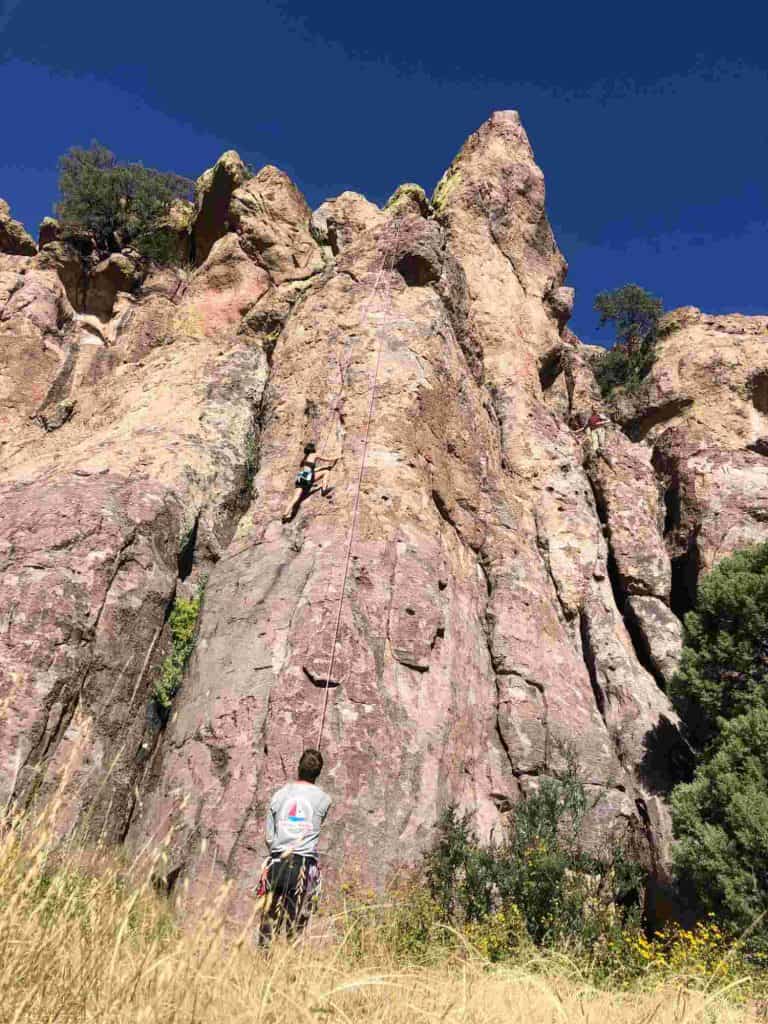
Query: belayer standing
[(291, 876), (309, 470)]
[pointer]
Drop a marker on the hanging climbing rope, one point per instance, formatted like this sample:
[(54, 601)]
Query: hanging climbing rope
[(323, 437), (388, 251)]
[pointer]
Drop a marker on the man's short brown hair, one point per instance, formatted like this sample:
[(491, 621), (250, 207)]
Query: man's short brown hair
[(310, 765)]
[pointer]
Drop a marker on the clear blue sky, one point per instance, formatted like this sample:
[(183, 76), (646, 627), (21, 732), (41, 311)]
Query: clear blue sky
[(649, 120)]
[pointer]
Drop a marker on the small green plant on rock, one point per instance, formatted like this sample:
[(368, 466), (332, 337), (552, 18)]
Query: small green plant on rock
[(183, 625), (251, 459)]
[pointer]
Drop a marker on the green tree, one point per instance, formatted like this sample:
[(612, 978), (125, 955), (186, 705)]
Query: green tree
[(724, 665), (721, 827), (634, 314), (119, 204), (721, 690)]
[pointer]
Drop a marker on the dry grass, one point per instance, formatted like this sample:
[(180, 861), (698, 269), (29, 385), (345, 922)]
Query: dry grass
[(81, 943)]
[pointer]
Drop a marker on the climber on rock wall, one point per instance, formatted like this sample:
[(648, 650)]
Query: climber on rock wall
[(290, 878), (309, 471), (595, 428)]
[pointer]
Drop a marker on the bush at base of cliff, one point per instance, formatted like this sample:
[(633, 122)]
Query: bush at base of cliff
[(538, 881), (721, 827), (120, 205), (720, 819)]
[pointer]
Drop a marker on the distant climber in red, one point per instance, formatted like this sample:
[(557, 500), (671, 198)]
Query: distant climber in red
[(595, 428), (290, 877)]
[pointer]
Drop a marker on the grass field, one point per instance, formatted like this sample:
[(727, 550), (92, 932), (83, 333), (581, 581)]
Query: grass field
[(82, 942)]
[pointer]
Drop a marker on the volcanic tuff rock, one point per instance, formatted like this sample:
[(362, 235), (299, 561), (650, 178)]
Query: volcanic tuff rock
[(14, 240), (703, 412), (512, 601)]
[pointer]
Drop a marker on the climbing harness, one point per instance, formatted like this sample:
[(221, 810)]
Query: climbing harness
[(298, 903), (356, 506), (305, 477)]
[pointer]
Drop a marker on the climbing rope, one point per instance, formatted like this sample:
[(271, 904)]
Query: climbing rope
[(323, 437), (356, 505)]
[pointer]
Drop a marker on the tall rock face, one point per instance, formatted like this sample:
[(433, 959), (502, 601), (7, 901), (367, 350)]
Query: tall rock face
[(475, 602)]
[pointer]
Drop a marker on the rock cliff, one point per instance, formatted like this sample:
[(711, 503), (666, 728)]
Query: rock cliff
[(512, 602)]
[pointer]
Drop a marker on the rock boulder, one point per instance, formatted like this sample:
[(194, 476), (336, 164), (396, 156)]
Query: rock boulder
[(14, 239)]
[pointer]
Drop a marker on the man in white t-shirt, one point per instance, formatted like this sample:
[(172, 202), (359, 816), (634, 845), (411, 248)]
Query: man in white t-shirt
[(290, 879)]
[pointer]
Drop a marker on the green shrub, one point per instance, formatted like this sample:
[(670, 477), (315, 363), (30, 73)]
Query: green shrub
[(635, 315), (721, 827), (721, 691), (724, 665), (183, 625), (119, 204), (538, 882)]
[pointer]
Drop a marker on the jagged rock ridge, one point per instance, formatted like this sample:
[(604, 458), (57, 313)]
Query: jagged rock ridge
[(513, 604)]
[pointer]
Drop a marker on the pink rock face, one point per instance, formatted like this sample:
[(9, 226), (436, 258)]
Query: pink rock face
[(479, 600), (479, 644), (88, 562)]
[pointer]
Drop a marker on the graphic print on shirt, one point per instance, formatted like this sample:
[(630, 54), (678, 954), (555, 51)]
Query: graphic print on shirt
[(296, 818)]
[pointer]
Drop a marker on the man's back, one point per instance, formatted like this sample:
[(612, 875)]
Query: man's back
[(296, 812)]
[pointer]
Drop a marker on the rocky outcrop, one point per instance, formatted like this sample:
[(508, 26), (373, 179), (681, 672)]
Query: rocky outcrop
[(272, 219), (71, 263), (120, 272), (510, 602), (14, 240), (49, 231), (703, 412), (89, 566), (338, 222), (35, 317), (213, 192), (175, 232)]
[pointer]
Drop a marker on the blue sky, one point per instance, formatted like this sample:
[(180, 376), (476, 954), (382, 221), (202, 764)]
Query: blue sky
[(649, 120)]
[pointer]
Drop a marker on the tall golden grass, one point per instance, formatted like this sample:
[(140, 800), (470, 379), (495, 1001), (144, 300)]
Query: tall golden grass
[(83, 939)]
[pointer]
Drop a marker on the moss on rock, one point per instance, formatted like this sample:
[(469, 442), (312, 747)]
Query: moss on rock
[(445, 187), (409, 194)]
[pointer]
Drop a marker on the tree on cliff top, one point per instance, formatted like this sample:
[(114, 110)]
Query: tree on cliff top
[(721, 817), (118, 204), (635, 314)]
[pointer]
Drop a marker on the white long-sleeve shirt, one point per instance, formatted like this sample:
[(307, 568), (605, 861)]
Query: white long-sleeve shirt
[(295, 815)]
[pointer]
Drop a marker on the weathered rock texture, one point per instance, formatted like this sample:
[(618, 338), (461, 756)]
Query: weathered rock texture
[(14, 240), (703, 413), (510, 606)]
